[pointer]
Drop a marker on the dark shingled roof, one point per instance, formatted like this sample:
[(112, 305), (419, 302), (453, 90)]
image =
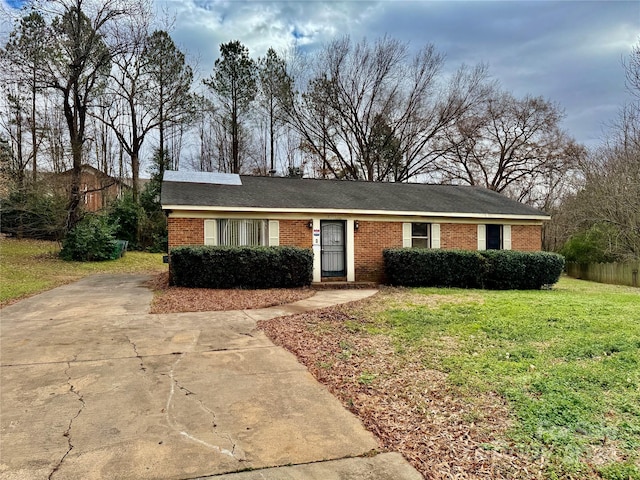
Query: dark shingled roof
[(296, 193)]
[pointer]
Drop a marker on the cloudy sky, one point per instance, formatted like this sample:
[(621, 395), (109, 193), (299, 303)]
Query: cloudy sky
[(567, 51)]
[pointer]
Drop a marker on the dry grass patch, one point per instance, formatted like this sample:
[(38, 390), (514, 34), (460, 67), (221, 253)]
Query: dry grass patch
[(406, 299)]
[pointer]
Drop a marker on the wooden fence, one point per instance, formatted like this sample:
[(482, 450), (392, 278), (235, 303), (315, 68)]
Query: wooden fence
[(615, 273)]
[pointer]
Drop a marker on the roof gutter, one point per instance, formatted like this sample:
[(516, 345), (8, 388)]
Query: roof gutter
[(338, 211)]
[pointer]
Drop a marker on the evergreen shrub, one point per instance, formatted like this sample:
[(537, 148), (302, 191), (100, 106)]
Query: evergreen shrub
[(490, 269), (241, 267), (512, 270), (91, 240), (421, 267)]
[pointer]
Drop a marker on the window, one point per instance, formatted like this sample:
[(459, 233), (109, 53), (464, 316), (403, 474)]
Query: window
[(420, 235), (243, 232), (494, 237)]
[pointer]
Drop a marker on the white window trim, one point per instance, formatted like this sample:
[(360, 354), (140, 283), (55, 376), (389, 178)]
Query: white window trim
[(506, 237), (406, 235), (482, 237), (274, 233), (435, 235), (210, 232), (350, 251)]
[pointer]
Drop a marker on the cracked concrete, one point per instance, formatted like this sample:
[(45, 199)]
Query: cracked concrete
[(94, 387), (67, 432), (138, 356)]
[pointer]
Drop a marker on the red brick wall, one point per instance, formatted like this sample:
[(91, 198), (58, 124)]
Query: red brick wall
[(459, 235), (185, 231), (190, 231), (526, 237), (369, 241), (100, 191), (295, 233)]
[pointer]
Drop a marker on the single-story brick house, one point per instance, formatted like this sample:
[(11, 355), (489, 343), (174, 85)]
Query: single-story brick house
[(347, 224)]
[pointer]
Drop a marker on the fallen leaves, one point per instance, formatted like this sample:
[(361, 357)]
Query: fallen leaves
[(412, 409), (178, 299)]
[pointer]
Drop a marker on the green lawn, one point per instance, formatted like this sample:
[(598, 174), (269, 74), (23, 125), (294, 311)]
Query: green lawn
[(567, 360), (28, 267)]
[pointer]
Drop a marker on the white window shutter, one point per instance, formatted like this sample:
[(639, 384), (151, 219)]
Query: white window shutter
[(506, 237), (482, 237), (210, 232), (435, 235), (274, 233), (406, 235)]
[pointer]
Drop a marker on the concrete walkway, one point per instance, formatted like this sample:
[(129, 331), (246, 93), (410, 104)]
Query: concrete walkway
[(93, 387)]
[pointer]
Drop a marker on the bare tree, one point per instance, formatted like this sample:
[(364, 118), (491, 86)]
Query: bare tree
[(632, 71), (610, 201), (55, 137), (103, 141), (148, 91), (366, 98), (121, 106), (606, 210), (513, 146), (205, 159), (13, 122), (78, 69)]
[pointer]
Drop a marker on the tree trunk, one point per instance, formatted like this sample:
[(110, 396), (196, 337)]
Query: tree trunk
[(135, 174), (73, 118), (34, 133), (271, 139), (234, 142)]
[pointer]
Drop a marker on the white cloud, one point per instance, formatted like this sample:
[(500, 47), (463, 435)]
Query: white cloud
[(201, 26)]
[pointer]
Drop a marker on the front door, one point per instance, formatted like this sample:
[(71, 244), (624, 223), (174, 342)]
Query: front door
[(332, 246)]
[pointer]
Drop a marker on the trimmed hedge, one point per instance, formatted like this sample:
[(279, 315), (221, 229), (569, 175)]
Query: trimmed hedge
[(417, 267), (511, 270), (490, 269), (241, 267)]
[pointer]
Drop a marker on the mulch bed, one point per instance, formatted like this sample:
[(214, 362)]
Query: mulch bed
[(411, 409), (169, 299)]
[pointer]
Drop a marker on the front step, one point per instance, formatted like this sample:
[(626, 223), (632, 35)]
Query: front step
[(343, 285)]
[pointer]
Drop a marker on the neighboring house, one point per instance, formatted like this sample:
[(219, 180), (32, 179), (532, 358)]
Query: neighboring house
[(347, 224), (98, 189)]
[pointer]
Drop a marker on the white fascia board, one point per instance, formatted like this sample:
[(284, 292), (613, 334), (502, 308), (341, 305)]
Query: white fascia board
[(333, 211)]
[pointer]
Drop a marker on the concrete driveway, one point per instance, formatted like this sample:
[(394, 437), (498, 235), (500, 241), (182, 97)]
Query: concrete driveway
[(93, 387)]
